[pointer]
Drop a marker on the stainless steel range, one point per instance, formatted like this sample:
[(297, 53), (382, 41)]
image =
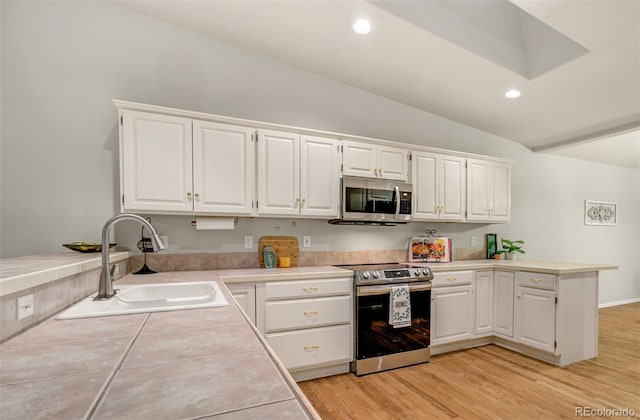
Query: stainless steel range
[(379, 345)]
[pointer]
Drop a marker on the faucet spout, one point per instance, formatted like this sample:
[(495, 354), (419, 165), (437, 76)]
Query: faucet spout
[(105, 287)]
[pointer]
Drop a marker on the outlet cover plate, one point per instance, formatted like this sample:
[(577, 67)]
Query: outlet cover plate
[(25, 306), (306, 241)]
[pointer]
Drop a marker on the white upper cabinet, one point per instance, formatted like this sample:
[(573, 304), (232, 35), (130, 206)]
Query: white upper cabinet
[(374, 161), (177, 165), (488, 191), (438, 186), (223, 168), (278, 173), (155, 152), (319, 176), (298, 175)]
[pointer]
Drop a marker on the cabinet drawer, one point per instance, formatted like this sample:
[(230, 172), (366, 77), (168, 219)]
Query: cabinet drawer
[(537, 280), (306, 313), (452, 278), (307, 288), (316, 346)]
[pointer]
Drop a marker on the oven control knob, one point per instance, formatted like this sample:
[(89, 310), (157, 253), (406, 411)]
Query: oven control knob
[(425, 271), (366, 275), (376, 274), (417, 273)]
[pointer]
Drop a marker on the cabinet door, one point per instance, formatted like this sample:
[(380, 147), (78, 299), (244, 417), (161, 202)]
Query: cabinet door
[(478, 200), (452, 187), (488, 191), (501, 192), (156, 163), (245, 296), (278, 173), (359, 159), (319, 177), (393, 163), (503, 284), (536, 318), (223, 168), (484, 302), (452, 310), (426, 188)]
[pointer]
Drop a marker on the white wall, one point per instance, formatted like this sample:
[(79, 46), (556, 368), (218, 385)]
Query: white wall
[(63, 62)]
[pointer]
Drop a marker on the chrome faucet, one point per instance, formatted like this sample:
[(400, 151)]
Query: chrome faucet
[(105, 288)]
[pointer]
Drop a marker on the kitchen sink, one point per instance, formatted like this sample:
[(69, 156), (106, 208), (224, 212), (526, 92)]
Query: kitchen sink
[(140, 298)]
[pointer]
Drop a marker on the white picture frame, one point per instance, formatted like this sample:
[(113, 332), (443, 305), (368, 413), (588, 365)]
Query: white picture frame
[(600, 213)]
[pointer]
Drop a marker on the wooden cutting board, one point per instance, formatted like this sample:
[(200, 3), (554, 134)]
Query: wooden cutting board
[(283, 246)]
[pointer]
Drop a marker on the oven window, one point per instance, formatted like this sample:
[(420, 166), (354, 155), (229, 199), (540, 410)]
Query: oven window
[(375, 337)]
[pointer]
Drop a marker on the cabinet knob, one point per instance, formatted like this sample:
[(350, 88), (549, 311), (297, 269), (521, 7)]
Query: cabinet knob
[(189, 195), (196, 195)]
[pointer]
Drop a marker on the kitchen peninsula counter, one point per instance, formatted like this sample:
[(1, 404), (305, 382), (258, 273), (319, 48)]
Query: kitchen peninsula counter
[(179, 364)]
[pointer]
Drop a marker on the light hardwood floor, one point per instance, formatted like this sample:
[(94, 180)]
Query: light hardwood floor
[(490, 382)]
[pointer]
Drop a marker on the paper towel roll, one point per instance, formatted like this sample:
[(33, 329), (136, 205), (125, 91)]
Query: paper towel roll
[(215, 223)]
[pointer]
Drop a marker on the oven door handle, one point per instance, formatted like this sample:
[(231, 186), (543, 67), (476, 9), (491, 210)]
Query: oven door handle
[(385, 290)]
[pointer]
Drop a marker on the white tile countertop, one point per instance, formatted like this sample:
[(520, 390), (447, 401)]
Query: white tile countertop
[(178, 364), (550, 267), (20, 273)]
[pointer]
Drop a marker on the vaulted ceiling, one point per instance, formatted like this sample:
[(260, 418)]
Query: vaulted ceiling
[(576, 63)]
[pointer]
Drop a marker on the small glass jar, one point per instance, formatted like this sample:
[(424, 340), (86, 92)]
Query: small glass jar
[(269, 256)]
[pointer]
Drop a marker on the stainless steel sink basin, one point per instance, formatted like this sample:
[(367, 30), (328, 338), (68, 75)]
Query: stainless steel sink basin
[(131, 299)]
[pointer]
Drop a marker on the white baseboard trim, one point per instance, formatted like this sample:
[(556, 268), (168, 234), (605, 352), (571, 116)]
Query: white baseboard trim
[(620, 302)]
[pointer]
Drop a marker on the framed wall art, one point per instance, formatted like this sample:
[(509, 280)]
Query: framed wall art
[(600, 213)]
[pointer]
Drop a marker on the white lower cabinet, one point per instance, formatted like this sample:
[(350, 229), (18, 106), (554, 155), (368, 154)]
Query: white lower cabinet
[(245, 295), (452, 307), (503, 285), (535, 316), (308, 323), (484, 303), (312, 347)]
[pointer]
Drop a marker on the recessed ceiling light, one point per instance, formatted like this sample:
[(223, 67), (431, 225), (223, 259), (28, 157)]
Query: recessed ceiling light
[(512, 94), (362, 26)]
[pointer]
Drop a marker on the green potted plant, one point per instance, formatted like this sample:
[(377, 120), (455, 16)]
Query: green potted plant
[(509, 248)]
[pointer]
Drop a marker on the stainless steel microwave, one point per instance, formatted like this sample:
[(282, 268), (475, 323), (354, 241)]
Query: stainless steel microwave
[(374, 201)]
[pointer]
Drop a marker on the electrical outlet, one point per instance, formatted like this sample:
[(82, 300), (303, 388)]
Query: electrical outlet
[(248, 241), (165, 241), (473, 241), (306, 241), (25, 306)]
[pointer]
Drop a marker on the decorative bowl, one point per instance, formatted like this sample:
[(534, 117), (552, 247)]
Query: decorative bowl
[(86, 246)]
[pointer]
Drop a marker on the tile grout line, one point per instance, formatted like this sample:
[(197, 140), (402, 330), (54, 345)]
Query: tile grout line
[(105, 387)]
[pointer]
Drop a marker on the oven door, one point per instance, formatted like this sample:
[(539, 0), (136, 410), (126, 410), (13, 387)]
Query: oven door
[(375, 337)]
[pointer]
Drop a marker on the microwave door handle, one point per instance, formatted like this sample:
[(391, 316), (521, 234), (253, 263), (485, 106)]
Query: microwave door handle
[(397, 189)]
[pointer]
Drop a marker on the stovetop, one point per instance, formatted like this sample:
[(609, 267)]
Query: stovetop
[(388, 273)]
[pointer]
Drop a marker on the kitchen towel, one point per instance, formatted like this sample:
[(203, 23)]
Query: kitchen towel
[(400, 307)]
